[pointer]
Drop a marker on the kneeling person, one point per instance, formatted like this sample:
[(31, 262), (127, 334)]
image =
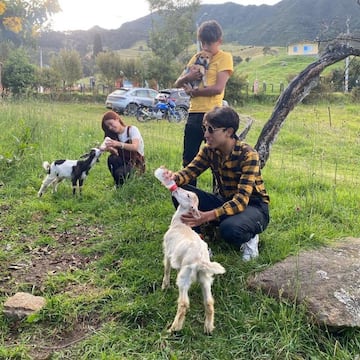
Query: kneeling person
[(126, 146), (239, 204)]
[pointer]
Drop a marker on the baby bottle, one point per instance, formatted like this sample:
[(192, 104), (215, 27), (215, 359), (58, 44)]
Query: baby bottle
[(103, 145), (170, 184)]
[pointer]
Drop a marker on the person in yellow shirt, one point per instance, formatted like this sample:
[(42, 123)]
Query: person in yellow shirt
[(204, 98)]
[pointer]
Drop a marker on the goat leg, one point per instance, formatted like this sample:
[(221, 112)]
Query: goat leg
[(167, 270), (206, 282), (81, 182), (47, 181), (183, 282), (183, 305), (209, 316)]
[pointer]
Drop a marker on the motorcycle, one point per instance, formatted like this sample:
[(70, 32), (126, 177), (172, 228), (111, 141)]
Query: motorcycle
[(164, 109)]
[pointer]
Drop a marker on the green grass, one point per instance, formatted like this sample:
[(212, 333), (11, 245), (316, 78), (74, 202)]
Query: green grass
[(112, 306)]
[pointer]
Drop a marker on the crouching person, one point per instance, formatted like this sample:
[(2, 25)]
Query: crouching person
[(126, 147), (239, 204)]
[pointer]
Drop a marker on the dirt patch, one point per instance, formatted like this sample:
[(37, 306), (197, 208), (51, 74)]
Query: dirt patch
[(43, 261), (30, 275)]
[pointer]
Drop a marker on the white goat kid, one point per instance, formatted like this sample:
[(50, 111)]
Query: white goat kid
[(185, 251), (75, 170)]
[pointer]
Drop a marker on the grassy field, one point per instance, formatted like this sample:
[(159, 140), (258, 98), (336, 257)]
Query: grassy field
[(97, 259)]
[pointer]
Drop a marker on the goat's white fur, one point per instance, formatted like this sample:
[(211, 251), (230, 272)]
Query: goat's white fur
[(75, 170), (185, 251)]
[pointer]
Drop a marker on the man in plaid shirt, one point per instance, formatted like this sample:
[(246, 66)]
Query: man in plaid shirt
[(239, 204)]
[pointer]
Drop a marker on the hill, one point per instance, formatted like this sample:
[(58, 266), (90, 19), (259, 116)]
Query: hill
[(286, 22)]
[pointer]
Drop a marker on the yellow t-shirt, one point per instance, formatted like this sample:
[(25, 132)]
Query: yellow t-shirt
[(222, 61)]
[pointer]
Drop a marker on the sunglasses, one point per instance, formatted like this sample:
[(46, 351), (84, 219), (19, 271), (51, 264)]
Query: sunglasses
[(211, 129)]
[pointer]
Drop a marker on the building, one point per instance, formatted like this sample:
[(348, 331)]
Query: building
[(303, 48)]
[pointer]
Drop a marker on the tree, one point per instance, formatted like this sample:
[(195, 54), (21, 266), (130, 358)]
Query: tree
[(18, 74), (162, 71), (234, 86), (21, 20), (48, 78), (97, 47), (68, 64), (175, 30), (133, 70), (109, 66), (296, 91)]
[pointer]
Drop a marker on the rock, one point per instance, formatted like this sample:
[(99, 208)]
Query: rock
[(326, 280), (23, 304)]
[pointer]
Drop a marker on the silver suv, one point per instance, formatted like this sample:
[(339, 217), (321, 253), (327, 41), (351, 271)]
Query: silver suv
[(127, 100)]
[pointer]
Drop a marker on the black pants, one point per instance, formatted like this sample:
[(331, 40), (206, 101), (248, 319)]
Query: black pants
[(119, 169), (193, 137)]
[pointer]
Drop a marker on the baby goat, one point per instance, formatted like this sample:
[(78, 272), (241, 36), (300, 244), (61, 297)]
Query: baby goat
[(76, 170), (185, 251)]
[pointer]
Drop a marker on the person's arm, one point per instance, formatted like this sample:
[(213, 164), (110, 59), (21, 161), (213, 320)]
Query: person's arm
[(194, 169), (216, 89), (134, 146), (203, 217), (187, 76)]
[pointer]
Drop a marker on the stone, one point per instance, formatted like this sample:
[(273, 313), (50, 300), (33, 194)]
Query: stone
[(326, 280), (23, 304)]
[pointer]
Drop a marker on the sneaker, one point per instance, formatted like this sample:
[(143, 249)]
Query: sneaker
[(250, 248)]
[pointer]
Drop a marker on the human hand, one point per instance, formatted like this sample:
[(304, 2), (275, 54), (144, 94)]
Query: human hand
[(201, 217), (194, 73), (167, 174), (113, 150)]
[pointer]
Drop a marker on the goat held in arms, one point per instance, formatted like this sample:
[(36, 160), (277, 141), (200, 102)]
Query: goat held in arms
[(75, 170), (185, 251)]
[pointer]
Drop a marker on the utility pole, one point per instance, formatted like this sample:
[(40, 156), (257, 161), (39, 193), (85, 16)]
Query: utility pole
[(198, 45), (346, 78)]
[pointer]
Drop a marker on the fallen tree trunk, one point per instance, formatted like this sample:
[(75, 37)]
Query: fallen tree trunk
[(297, 90)]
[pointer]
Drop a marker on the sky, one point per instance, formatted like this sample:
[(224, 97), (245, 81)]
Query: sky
[(84, 14)]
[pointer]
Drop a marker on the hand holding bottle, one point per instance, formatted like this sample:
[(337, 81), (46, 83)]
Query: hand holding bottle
[(162, 174)]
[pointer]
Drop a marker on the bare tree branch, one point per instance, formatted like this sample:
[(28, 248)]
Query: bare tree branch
[(297, 90)]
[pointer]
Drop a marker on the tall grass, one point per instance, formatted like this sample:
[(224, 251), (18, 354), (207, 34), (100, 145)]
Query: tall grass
[(312, 177)]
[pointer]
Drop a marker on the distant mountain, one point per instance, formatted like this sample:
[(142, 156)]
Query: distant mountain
[(286, 22)]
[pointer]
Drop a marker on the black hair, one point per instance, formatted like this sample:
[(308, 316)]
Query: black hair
[(223, 117), (210, 31)]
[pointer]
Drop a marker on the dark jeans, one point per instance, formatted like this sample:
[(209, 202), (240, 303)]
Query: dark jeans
[(119, 169), (193, 137), (239, 228)]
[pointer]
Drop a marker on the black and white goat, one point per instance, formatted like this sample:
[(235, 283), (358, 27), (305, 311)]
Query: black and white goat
[(185, 251), (75, 170)]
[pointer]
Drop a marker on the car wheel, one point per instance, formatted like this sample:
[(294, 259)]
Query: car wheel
[(183, 112), (131, 109)]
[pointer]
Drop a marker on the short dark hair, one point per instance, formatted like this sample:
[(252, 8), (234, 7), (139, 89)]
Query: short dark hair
[(210, 31), (223, 117)]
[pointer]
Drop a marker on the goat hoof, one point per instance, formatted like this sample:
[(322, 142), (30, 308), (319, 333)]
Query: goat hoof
[(208, 330), (175, 333)]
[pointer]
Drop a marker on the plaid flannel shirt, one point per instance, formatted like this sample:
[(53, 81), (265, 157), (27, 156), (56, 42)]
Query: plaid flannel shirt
[(239, 175)]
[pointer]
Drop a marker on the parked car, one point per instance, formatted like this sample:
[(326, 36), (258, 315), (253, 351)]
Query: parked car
[(127, 100)]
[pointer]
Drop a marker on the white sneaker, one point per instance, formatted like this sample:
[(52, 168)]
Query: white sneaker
[(250, 248)]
